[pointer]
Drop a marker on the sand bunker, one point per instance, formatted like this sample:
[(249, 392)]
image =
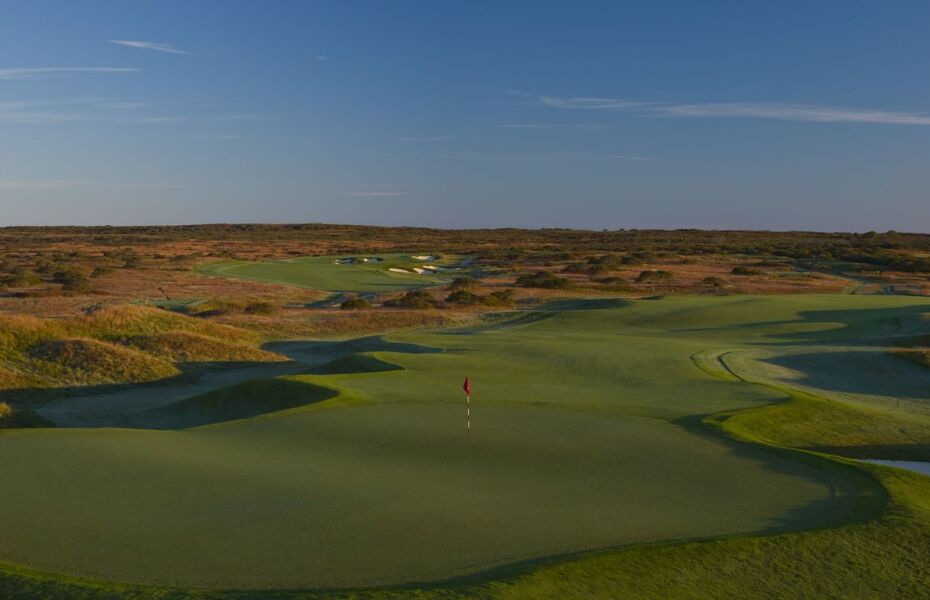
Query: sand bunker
[(396, 270), (424, 257)]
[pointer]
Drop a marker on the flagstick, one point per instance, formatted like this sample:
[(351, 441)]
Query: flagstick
[(468, 417)]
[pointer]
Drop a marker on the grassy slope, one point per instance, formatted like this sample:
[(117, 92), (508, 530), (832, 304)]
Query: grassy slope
[(116, 344), (862, 560), (322, 273)]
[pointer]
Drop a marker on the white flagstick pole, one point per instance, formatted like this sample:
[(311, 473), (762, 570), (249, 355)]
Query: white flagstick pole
[(468, 416)]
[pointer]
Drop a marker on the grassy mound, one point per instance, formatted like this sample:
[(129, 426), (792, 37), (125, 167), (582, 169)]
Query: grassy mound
[(87, 361), (183, 346), (12, 380), (240, 401), (126, 320), (114, 345), (814, 423)]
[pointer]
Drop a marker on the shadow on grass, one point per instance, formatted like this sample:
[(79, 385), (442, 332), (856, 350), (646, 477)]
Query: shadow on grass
[(316, 353), (519, 318), (209, 392), (868, 372), (859, 327)]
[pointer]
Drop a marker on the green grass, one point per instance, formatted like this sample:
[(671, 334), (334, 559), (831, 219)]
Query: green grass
[(323, 273), (592, 463)]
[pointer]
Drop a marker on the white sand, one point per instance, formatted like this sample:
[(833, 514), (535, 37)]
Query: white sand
[(424, 257), (396, 270)]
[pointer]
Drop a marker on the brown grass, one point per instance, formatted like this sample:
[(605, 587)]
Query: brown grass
[(77, 361), (338, 323), (115, 345), (182, 346)]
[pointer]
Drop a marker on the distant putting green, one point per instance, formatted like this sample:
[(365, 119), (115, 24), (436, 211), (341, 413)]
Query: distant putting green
[(582, 439), (363, 273)]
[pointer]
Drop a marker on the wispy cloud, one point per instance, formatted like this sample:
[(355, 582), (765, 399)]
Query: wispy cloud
[(108, 110), (440, 138), (742, 110), (34, 72), (378, 194), (168, 48), (581, 126), (321, 58), (541, 157), (589, 103), (794, 112), (30, 185)]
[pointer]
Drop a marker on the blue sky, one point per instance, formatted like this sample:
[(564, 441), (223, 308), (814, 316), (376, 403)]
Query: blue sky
[(764, 115)]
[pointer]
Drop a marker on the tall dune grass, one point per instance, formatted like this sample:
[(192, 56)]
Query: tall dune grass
[(113, 345)]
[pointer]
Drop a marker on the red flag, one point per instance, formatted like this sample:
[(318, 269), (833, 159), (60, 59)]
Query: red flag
[(466, 387)]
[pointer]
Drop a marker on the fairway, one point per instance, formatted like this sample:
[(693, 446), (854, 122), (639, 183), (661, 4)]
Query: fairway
[(364, 274), (581, 440)]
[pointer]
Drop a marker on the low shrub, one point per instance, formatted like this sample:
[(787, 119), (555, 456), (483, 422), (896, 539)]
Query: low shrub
[(463, 297), (355, 303), (647, 276), (259, 308), (498, 298), (461, 283), (545, 279), (412, 299)]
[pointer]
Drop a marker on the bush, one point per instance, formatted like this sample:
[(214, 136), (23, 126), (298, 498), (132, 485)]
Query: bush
[(46, 266), (72, 280), (132, 261), (607, 262), (23, 278), (714, 281), (461, 283), (355, 303), (463, 297), (412, 299), (545, 279), (647, 276), (745, 271), (575, 268), (499, 298), (599, 269), (100, 272), (259, 308)]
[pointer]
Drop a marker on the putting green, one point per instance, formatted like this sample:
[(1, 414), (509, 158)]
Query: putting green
[(327, 273), (578, 443)]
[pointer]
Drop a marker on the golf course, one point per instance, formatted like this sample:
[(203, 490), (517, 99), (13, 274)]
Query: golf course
[(375, 273), (706, 437)]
